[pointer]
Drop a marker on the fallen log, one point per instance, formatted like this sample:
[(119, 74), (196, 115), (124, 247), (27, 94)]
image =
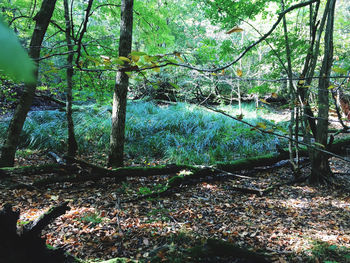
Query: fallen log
[(28, 246), (128, 171), (32, 170), (198, 175), (87, 171), (46, 98), (337, 147)]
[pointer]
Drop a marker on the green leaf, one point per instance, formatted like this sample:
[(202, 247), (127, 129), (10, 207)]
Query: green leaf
[(138, 53), (178, 54), (14, 60), (172, 60), (135, 58), (151, 58), (319, 144), (156, 69), (174, 85), (261, 125), (42, 88), (125, 59), (340, 70), (119, 61)]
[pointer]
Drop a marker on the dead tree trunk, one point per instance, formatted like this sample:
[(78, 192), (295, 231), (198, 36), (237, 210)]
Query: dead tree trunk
[(28, 246)]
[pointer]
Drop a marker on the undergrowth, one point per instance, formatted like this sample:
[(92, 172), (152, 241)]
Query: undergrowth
[(179, 133), (328, 253)]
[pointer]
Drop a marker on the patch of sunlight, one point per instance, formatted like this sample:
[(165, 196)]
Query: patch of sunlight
[(306, 203), (296, 203), (302, 241), (30, 215), (326, 237), (299, 243), (209, 186), (341, 204), (247, 111), (189, 107), (308, 189)]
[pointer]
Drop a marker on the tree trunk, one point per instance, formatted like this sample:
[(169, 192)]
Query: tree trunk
[(319, 161), (13, 133), (293, 104), (72, 143), (117, 137)]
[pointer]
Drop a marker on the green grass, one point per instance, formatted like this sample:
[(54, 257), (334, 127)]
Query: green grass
[(91, 218), (327, 253), (179, 133)]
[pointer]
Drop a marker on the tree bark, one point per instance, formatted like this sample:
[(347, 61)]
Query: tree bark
[(72, 143), (321, 171), (117, 137), (13, 133)]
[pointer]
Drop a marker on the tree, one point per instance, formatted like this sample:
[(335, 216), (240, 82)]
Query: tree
[(319, 160), (72, 143), (42, 20), (117, 138)]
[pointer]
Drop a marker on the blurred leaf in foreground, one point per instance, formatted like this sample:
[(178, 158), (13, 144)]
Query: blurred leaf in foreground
[(14, 60)]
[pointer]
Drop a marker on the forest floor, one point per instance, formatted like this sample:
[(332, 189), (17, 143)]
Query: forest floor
[(294, 223)]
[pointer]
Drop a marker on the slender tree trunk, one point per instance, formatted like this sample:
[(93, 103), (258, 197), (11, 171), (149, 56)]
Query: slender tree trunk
[(121, 88), (72, 143), (13, 133), (321, 171), (309, 123), (293, 105)]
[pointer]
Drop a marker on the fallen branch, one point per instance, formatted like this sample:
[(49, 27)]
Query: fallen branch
[(56, 158), (124, 172), (45, 97), (32, 170), (80, 171)]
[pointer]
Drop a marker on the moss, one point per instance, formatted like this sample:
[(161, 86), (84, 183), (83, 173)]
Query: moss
[(248, 163), (118, 260), (32, 169), (151, 170)]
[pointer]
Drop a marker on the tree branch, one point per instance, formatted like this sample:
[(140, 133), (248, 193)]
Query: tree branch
[(83, 32)]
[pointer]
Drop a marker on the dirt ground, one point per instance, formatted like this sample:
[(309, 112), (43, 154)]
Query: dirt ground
[(101, 224)]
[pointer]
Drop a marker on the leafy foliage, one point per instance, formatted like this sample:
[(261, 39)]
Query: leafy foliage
[(14, 61)]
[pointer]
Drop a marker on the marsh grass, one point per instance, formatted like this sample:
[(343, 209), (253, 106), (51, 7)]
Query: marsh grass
[(180, 133)]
